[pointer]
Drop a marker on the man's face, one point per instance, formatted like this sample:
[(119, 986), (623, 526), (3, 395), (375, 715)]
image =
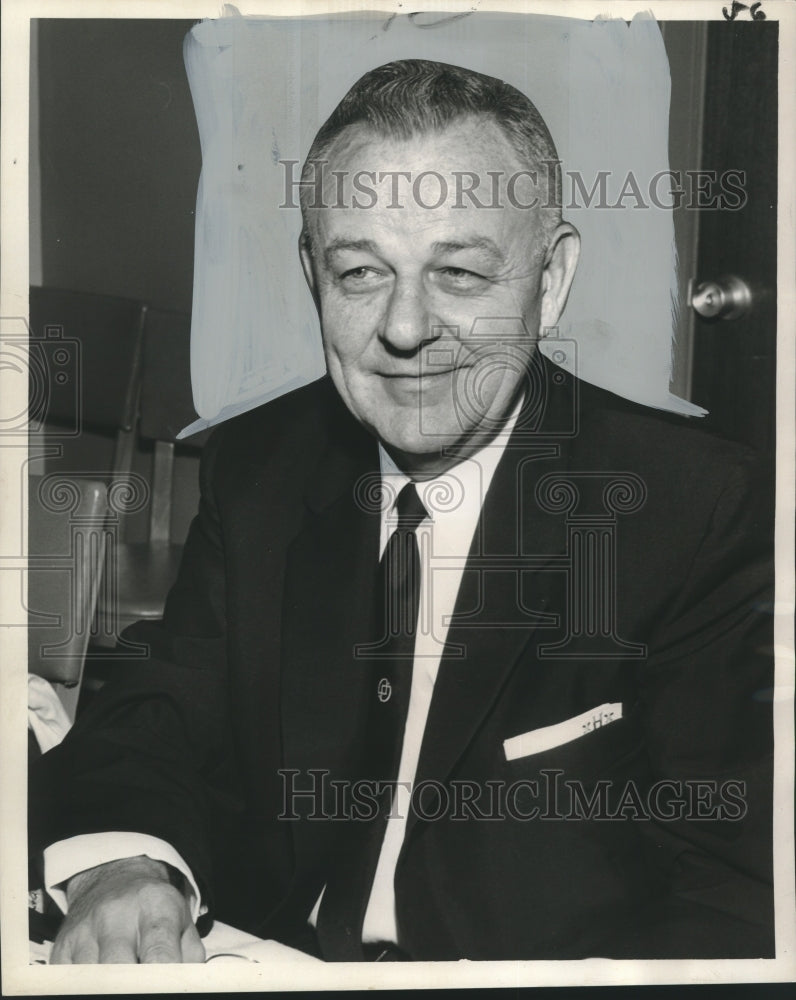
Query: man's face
[(430, 311)]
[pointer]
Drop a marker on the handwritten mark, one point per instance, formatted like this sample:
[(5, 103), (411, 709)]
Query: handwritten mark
[(754, 11)]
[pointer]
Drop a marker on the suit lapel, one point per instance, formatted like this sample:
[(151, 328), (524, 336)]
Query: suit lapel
[(493, 636), (330, 588)]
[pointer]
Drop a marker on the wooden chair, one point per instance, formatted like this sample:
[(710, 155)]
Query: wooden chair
[(85, 354), (66, 549), (145, 570)]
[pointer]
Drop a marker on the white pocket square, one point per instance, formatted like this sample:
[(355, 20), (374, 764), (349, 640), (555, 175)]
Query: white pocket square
[(538, 740)]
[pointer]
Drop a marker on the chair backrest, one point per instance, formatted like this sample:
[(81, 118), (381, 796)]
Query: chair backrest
[(166, 399), (166, 406), (66, 549), (85, 365)]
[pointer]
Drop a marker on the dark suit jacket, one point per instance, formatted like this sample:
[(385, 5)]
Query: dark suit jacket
[(252, 672)]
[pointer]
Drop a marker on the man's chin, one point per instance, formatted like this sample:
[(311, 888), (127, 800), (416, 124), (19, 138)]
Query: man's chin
[(429, 453)]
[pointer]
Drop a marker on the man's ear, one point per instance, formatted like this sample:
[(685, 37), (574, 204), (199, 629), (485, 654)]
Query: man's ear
[(560, 262), (307, 265)]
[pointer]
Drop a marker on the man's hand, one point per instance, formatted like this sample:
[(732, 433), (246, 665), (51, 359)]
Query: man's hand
[(126, 911)]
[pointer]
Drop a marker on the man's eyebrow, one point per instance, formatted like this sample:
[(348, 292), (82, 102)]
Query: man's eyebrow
[(482, 243), (340, 243)]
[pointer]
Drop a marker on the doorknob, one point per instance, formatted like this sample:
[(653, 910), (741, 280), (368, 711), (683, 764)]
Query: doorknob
[(728, 297)]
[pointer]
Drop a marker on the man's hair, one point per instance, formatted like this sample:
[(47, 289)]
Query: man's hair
[(412, 97)]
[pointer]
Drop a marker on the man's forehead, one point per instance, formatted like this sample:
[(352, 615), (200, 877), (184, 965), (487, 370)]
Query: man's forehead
[(488, 236), (435, 191), (471, 143), (460, 188)]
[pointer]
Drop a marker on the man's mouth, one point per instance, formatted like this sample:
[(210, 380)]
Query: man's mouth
[(418, 376)]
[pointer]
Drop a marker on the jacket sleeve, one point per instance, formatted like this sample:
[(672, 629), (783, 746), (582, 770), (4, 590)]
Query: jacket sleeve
[(142, 757), (705, 708)]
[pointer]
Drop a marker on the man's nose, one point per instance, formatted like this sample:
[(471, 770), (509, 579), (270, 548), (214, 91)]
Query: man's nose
[(407, 322)]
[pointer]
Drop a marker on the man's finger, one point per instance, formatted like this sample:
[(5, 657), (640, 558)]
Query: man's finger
[(115, 951), (159, 943), (192, 948)]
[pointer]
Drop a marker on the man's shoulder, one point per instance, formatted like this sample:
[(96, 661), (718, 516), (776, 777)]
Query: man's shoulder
[(646, 436), (293, 411), (301, 422), (687, 480)]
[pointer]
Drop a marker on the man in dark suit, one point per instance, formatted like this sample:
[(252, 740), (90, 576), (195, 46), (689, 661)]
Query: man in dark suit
[(467, 658)]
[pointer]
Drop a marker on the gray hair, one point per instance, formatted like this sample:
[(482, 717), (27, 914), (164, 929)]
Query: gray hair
[(411, 97)]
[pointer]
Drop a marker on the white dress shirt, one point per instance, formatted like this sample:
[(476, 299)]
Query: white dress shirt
[(453, 501)]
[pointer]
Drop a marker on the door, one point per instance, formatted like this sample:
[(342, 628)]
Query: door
[(734, 361), (724, 120)]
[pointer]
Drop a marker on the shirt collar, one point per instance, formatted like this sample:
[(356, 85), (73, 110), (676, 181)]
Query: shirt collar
[(454, 498)]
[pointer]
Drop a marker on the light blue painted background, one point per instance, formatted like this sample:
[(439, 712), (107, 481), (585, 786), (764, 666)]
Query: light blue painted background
[(261, 89)]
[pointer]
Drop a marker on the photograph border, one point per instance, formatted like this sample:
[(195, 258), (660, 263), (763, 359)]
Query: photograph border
[(20, 978)]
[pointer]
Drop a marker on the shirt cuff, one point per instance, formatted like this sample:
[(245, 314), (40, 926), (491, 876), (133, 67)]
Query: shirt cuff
[(68, 857)]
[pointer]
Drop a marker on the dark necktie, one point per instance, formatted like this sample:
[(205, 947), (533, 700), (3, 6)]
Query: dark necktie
[(348, 888), (401, 589)]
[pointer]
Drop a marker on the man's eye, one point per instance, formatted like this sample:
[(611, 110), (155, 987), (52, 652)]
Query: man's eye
[(458, 278), (359, 274)]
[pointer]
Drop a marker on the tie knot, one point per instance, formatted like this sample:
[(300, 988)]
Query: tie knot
[(409, 506)]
